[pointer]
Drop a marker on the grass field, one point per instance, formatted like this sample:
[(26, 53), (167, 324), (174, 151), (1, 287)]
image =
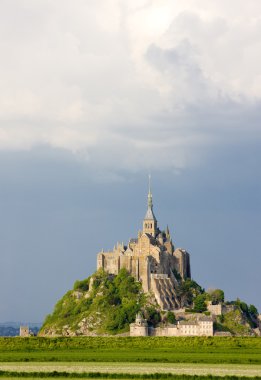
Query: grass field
[(136, 368), (107, 357), (160, 349)]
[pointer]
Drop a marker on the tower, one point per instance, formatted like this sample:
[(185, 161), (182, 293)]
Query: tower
[(150, 221)]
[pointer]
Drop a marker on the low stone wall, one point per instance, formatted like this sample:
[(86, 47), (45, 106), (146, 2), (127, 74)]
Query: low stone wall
[(164, 331), (136, 330)]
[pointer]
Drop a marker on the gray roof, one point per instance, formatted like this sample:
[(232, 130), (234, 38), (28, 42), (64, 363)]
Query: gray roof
[(188, 323), (150, 215)]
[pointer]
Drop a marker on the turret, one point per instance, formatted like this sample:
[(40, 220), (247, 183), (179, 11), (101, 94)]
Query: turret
[(167, 233), (150, 221)]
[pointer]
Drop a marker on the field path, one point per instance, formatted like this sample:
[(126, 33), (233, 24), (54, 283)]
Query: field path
[(175, 368)]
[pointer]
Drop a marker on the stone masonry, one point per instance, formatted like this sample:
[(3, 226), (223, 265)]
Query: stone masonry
[(203, 326), (152, 259)]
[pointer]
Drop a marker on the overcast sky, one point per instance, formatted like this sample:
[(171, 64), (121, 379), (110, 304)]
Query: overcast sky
[(94, 95)]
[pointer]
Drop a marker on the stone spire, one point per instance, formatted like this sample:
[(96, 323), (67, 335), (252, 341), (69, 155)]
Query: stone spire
[(149, 194), (150, 221), (149, 214)]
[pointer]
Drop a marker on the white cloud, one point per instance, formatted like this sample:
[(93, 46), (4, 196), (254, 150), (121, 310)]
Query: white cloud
[(131, 84)]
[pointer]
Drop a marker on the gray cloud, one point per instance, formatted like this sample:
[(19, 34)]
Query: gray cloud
[(80, 77)]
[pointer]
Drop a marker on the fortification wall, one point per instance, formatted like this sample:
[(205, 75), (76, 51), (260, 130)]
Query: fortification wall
[(215, 309), (136, 330)]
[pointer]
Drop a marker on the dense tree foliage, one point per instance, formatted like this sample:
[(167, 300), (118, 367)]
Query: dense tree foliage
[(171, 317), (187, 291), (253, 311), (152, 315), (216, 296), (200, 303), (82, 285), (110, 302)]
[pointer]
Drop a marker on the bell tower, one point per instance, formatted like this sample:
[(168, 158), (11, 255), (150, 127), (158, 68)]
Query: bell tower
[(150, 221)]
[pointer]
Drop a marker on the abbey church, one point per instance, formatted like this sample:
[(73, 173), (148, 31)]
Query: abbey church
[(152, 259)]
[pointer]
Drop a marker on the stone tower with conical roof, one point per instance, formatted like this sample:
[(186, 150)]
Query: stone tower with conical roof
[(150, 221)]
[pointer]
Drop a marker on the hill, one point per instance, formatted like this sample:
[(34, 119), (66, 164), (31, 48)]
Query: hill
[(106, 304), (100, 304)]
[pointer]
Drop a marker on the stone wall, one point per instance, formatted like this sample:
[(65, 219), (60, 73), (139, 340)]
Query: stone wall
[(215, 309), (24, 331), (138, 330)]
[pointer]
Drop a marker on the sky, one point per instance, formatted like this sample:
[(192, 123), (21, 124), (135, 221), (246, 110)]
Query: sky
[(94, 96)]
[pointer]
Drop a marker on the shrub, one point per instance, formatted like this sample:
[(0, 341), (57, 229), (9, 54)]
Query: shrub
[(187, 291), (200, 303), (244, 307), (253, 311), (216, 296), (82, 285), (190, 311), (171, 317), (152, 315)]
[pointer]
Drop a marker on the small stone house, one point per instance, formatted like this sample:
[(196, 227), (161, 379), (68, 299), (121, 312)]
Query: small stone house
[(24, 331)]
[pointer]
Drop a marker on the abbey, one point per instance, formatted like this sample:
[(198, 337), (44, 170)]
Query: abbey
[(152, 259)]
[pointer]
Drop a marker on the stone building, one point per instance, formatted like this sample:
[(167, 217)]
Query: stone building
[(220, 308), (139, 327), (24, 331), (203, 326), (215, 309), (152, 259)]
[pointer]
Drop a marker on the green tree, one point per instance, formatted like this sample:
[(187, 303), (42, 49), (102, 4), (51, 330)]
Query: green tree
[(152, 315), (200, 303), (171, 317), (244, 307), (216, 296), (82, 285), (187, 291), (253, 311)]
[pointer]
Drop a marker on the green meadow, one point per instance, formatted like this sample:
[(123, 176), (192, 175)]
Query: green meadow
[(185, 358), (237, 350)]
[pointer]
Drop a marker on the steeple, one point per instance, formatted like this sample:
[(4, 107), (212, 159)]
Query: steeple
[(150, 221), (150, 195)]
